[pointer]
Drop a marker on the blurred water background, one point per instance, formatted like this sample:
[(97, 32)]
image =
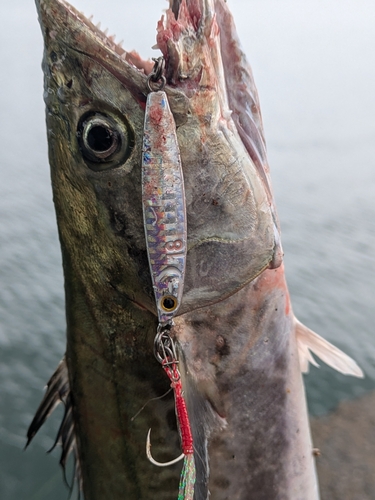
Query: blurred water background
[(314, 67)]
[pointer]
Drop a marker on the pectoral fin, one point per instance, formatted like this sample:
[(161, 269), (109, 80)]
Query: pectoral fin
[(58, 391), (310, 342)]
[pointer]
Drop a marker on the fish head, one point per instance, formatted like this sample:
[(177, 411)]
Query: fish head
[(95, 95)]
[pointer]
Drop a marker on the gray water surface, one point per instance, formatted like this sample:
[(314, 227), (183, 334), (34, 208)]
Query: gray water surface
[(313, 63)]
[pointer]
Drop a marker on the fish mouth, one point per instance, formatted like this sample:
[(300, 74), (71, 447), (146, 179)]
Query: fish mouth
[(232, 225), (186, 21)]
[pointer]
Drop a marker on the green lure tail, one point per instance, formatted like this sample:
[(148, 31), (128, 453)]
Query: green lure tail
[(187, 479)]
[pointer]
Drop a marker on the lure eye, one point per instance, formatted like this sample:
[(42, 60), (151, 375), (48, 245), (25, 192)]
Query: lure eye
[(103, 140), (169, 303)]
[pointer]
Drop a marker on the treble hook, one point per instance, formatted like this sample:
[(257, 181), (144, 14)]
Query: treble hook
[(152, 460), (164, 346)]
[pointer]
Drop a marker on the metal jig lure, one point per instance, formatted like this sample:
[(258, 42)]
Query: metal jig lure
[(163, 198), (164, 218)]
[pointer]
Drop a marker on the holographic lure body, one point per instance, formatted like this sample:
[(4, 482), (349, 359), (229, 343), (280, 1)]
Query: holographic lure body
[(163, 205)]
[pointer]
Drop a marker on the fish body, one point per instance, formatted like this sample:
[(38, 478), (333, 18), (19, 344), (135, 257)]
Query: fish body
[(241, 350)]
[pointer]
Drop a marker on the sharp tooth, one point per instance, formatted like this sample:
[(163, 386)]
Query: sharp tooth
[(120, 43), (112, 37), (123, 56), (105, 31), (91, 18), (98, 25), (155, 47)]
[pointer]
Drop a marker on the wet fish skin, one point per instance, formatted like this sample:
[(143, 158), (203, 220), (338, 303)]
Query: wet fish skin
[(241, 356), (238, 339)]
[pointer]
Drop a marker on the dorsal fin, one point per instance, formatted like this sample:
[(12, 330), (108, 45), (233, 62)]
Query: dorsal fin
[(309, 341)]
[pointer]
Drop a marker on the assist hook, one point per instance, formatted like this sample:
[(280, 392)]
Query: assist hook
[(155, 462)]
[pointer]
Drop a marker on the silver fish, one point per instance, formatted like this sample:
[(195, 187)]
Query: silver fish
[(241, 350)]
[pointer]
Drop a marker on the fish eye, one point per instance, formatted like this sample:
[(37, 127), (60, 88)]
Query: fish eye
[(100, 139), (104, 141), (169, 303)]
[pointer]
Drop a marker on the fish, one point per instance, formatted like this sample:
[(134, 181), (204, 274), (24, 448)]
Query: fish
[(241, 351)]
